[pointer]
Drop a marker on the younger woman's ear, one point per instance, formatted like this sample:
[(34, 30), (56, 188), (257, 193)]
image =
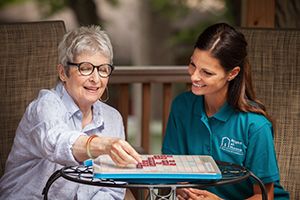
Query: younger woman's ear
[(233, 73), (61, 72)]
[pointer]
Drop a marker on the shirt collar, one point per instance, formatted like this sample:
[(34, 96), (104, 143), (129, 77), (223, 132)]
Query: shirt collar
[(199, 106), (72, 107), (68, 101), (223, 114), (97, 116)]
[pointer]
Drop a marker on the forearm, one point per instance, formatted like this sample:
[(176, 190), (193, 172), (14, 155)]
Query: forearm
[(256, 197), (97, 146), (257, 192), (79, 148), (119, 150), (259, 197), (51, 141)]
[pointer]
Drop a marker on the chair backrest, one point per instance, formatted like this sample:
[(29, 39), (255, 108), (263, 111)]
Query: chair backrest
[(28, 53), (275, 60)]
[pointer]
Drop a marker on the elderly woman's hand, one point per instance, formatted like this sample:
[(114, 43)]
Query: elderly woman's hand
[(196, 194), (121, 152)]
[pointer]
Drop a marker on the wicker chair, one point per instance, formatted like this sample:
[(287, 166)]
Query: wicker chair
[(29, 55), (275, 59), (28, 63)]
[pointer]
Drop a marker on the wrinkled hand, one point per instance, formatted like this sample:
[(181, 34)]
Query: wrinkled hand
[(120, 151), (196, 194), (181, 194)]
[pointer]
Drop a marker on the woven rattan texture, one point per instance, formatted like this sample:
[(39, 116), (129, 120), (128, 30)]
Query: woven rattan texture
[(28, 54), (275, 59)]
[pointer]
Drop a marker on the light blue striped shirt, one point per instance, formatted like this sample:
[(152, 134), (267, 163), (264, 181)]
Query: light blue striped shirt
[(43, 144)]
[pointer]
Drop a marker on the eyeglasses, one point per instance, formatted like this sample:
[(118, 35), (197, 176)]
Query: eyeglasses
[(86, 69)]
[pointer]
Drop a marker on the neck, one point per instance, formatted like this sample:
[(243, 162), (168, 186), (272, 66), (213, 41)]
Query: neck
[(213, 103)]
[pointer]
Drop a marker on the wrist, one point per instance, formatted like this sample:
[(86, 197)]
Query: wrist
[(88, 146)]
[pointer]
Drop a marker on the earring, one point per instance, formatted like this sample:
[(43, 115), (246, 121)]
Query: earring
[(107, 96)]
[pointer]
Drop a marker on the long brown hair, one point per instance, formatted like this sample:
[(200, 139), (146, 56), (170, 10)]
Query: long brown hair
[(229, 46)]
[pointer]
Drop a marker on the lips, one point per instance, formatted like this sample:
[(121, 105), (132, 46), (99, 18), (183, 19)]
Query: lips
[(198, 85), (93, 89)]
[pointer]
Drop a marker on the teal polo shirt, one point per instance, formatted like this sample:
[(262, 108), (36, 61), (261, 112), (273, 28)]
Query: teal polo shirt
[(243, 138)]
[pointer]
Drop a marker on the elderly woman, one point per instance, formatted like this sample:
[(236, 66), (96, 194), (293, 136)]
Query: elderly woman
[(68, 124)]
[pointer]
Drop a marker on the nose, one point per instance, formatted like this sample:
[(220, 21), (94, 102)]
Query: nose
[(95, 76), (196, 76)]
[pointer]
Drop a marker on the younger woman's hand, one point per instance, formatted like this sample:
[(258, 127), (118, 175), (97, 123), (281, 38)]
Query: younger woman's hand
[(196, 194)]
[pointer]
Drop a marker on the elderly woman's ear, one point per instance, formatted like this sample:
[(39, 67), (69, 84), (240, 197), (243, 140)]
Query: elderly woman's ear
[(61, 72)]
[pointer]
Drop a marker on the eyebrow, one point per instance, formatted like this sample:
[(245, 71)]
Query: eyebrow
[(203, 68), (192, 63)]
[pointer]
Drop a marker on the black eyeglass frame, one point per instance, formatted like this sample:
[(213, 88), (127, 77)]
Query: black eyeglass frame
[(94, 66)]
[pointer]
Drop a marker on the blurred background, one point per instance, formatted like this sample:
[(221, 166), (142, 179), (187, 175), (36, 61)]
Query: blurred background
[(146, 32)]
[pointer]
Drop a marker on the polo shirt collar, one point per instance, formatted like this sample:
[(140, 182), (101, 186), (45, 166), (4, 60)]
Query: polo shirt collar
[(222, 115), (199, 106)]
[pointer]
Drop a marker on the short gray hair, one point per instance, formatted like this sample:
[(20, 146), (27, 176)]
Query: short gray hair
[(84, 39)]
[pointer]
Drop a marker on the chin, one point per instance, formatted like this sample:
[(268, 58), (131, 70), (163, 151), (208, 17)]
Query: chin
[(92, 99), (197, 91)]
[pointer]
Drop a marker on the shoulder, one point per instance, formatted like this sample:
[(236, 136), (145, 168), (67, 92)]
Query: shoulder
[(185, 97), (256, 118), (255, 122), (47, 104), (186, 100), (48, 98)]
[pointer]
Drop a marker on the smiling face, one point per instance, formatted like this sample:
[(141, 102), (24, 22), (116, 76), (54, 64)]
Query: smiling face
[(85, 90), (207, 75)]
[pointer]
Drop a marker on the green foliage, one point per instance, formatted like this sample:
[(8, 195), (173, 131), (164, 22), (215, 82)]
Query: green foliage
[(182, 40), (113, 2), (52, 6), (189, 35), (4, 3), (170, 9), (49, 7)]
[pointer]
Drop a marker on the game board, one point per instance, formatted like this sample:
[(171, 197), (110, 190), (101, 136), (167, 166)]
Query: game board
[(159, 168)]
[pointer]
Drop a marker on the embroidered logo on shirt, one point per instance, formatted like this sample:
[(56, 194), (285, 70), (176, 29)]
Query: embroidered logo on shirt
[(232, 146)]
